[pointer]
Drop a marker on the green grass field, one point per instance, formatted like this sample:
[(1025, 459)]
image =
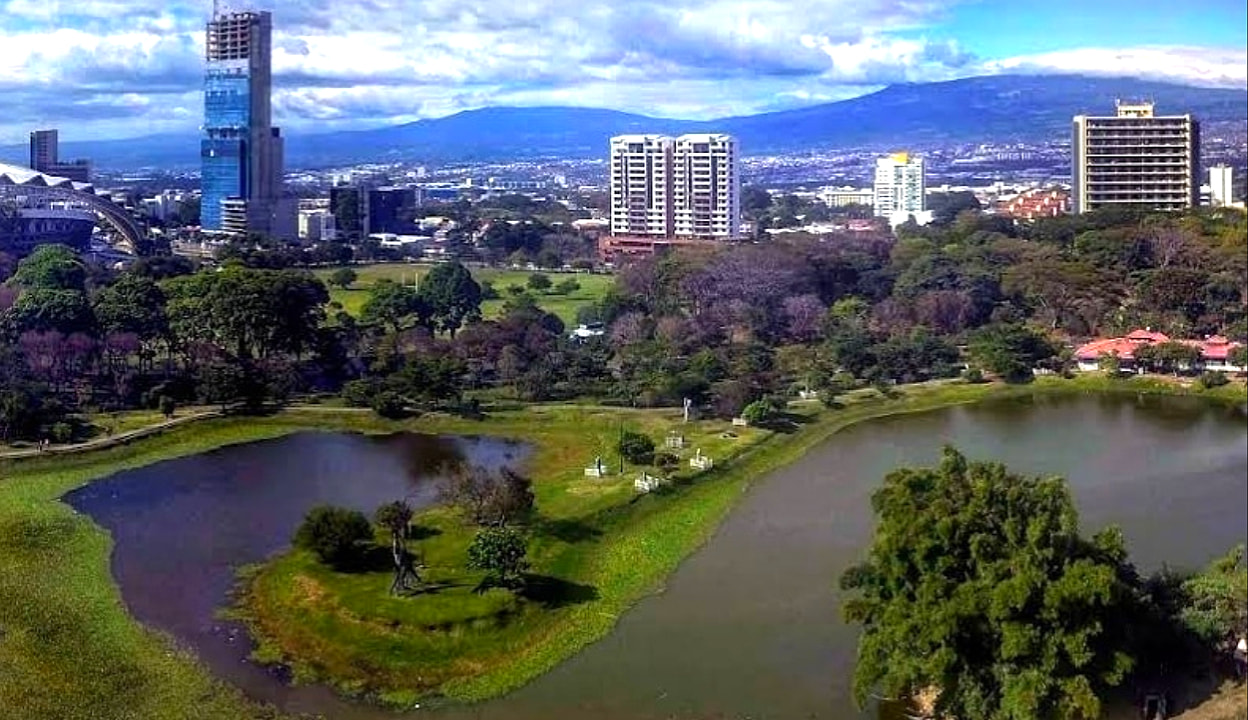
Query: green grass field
[(592, 287), (68, 648)]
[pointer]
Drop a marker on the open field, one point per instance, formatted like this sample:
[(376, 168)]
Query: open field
[(68, 649), (592, 287)]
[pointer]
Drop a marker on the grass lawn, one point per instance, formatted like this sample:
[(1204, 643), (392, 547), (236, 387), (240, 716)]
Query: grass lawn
[(69, 650), (592, 287)]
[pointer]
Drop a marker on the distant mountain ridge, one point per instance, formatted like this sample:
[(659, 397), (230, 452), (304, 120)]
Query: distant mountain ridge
[(998, 108)]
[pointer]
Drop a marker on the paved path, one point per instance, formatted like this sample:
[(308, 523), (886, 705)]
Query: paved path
[(111, 440)]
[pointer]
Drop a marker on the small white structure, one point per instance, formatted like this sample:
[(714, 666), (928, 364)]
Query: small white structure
[(740, 422), (700, 461), (674, 441), (647, 482), (596, 470)]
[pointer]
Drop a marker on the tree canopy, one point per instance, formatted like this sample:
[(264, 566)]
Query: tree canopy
[(979, 590)]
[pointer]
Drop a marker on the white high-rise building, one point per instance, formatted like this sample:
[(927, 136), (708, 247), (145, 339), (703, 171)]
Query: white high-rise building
[(899, 185), (1220, 185), (684, 187), (641, 185), (706, 187), (1135, 157)]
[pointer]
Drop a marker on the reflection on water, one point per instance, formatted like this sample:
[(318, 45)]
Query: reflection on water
[(750, 626)]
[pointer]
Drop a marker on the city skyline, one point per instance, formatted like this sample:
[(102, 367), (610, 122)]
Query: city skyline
[(122, 68)]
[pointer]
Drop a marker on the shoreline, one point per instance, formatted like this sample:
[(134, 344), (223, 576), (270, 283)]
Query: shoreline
[(30, 490)]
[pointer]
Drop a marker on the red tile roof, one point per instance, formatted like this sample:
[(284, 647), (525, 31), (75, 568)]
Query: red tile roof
[(1214, 347)]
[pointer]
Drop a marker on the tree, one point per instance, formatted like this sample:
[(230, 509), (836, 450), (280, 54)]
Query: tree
[(50, 267), (758, 412), (1011, 351), (636, 447), (134, 304), (1238, 356), (500, 552), (978, 590), (397, 518), (335, 535), (452, 296), (1216, 600), (567, 287), (394, 305), (538, 282), (343, 277), (489, 498)]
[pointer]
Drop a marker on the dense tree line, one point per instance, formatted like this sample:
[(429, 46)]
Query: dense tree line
[(724, 326)]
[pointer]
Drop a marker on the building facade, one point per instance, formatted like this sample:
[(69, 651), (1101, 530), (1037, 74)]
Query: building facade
[(900, 185), (706, 187), (641, 186), (45, 158), (1135, 158), (390, 210), (684, 187), (241, 153), (1221, 186)]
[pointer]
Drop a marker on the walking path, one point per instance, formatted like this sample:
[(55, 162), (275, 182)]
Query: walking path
[(111, 440)]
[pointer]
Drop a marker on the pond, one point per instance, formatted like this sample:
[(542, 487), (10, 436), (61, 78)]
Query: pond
[(749, 626), (181, 528)]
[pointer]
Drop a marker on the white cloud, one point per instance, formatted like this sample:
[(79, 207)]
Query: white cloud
[(1210, 67), (373, 61)]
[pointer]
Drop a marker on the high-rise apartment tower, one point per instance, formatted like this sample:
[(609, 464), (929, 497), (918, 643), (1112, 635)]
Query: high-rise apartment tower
[(1135, 158), (241, 153), (1221, 185), (683, 187), (900, 186)]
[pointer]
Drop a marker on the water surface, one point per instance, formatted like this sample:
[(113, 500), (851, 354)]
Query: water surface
[(749, 626)]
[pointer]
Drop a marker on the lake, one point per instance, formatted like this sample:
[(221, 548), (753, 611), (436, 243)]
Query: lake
[(749, 626)]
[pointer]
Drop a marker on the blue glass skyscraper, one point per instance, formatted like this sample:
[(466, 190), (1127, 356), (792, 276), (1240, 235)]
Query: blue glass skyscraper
[(241, 152)]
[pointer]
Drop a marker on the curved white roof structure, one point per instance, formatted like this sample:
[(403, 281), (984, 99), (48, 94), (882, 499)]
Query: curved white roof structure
[(15, 175), (17, 180)]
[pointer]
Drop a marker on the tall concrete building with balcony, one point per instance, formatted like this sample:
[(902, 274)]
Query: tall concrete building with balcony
[(1135, 158), (900, 185), (706, 187), (683, 187), (641, 186), (241, 153)]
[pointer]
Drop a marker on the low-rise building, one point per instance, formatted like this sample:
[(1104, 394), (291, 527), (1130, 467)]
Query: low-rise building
[(1215, 351)]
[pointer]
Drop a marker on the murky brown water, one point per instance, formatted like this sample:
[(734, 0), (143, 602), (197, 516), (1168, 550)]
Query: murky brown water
[(749, 627)]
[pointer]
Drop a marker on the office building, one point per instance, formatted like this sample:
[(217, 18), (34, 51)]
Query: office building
[(316, 226), (846, 196), (349, 206), (45, 158), (706, 187), (900, 187), (391, 209), (1221, 186), (687, 187), (1135, 158), (242, 153)]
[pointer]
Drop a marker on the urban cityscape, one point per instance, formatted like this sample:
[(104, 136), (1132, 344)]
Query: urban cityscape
[(936, 411)]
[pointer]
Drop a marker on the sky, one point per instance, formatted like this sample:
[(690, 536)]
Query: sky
[(123, 68)]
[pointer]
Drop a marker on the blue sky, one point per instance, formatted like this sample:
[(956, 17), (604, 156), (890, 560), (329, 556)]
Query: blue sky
[(121, 68)]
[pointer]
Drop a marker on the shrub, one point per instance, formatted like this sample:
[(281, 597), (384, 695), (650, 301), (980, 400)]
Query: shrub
[(488, 291), (500, 552), (1210, 379), (567, 287), (667, 461), (973, 376), (538, 282), (335, 535), (167, 406), (62, 432), (636, 448), (389, 404), (758, 412), (359, 393)]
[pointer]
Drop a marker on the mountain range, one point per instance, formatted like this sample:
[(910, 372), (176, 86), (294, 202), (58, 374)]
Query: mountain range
[(998, 108)]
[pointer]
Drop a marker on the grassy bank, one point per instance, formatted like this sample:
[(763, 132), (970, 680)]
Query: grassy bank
[(592, 287), (68, 649)]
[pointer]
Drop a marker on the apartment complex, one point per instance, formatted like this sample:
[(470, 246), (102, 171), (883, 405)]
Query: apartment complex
[(1136, 158), (684, 187), (45, 158), (1221, 186), (241, 153), (900, 186)]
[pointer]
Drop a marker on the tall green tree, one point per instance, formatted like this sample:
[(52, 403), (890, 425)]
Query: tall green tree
[(133, 304), (979, 591), (452, 295), (395, 306)]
